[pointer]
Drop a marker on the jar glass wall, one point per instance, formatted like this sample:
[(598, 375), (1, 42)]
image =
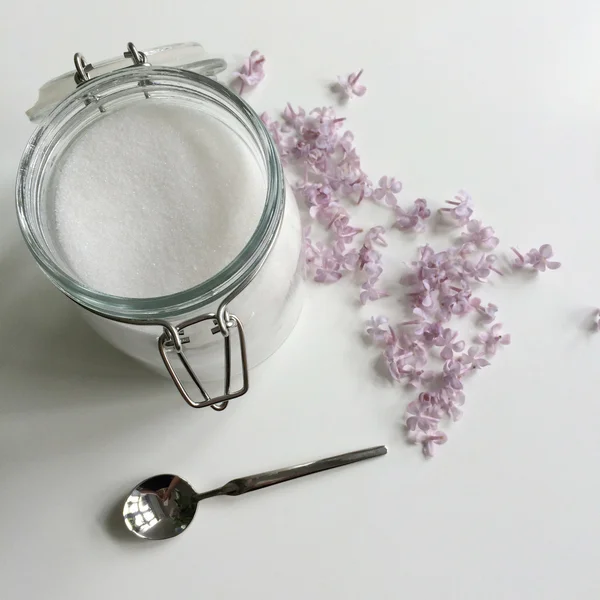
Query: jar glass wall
[(267, 303)]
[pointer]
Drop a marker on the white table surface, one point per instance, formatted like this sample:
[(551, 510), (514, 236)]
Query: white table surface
[(499, 98)]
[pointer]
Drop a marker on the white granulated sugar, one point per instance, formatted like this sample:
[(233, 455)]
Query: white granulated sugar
[(154, 199)]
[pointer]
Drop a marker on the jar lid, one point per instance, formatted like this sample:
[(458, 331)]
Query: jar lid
[(189, 56)]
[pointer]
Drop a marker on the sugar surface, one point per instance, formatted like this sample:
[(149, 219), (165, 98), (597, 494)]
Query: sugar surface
[(153, 199)]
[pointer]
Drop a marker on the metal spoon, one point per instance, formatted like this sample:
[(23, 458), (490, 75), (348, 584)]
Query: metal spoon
[(164, 505)]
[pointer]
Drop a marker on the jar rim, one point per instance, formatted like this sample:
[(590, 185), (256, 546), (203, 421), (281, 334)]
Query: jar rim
[(223, 285)]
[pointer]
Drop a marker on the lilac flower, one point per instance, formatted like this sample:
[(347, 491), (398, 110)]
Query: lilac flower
[(488, 313), (342, 176), (406, 358), (252, 72), (452, 373), (430, 333), (319, 199), (490, 260), (431, 267), (292, 118), (419, 377), (412, 347), (346, 142), (482, 237), (368, 256), (481, 270), (466, 250), (537, 259), (379, 330), (343, 230), (491, 338), (421, 416), (375, 236), (462, 208), (474, 359), (328, 268), (421, 208), (397, 361), (368, 292), (421, 318), (422, 297), (449, 401), (350, 86), (325, 113), (373, 270), (413, 375), (430, 439), (454, 300), (361, 187), (351, 159), (387, 190), (414, 218), (328, 213), (449, 344), (347, 259)]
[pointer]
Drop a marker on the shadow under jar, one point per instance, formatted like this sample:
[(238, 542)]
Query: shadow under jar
[(154, 198)]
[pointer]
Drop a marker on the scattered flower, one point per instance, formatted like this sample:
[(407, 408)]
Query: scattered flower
[(450, 402), (369, 292), (462, 208), (475, 359), (349, 86), (328, 266), (452, 374), (375, 236), (252, 72), (537, 259), (348, 259), (447, 340), (430, 440), (488, 313), (482, 237), (343, 230), (293, 119), (414, 218), (387, 190), (421, 415), (379, 330), (439, 285), (491, 338)]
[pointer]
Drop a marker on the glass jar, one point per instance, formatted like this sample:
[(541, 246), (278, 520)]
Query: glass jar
[(221, 327)]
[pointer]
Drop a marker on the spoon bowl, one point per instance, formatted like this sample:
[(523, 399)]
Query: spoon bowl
[(160, 507)]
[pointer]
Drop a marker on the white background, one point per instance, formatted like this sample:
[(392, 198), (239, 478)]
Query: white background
[(499, 98)]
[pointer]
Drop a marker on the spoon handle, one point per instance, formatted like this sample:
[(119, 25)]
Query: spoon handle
[(263, 480)]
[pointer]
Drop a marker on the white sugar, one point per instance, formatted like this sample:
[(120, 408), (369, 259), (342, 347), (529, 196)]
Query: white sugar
[(154, 199)]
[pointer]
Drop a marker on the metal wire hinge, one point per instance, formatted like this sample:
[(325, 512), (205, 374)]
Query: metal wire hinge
[(83, 68), (172, 340)]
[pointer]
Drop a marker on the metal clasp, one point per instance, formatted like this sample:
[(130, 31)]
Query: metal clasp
[(83, 68), (139, 58), (224, 323)]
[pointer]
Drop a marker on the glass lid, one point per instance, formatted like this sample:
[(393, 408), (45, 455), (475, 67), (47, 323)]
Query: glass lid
[(189, 56)]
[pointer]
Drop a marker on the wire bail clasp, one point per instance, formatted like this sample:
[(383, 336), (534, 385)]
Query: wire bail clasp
[(82, 68), (223, 322), (139, 58)]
